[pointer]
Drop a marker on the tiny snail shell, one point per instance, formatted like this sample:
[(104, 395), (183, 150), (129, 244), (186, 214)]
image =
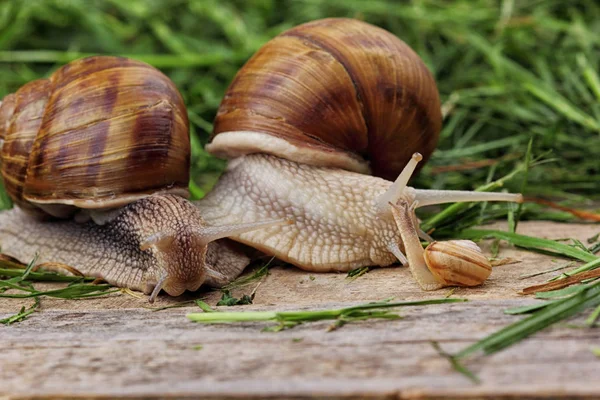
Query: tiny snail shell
[(457, 263)]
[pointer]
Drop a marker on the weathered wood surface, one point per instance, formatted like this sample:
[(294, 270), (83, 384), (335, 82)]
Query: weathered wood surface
[(115, 347)]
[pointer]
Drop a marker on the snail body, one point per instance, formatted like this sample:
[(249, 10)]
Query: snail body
[(339, 221), (119, 251), (303, 121), (302, 138), (107, 138)]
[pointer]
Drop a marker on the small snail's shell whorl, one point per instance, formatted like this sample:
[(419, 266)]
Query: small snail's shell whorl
[(339, 92), (99, 133), (457, 262)]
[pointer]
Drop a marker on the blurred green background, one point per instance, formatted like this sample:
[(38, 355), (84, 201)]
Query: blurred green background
[(508, 71)]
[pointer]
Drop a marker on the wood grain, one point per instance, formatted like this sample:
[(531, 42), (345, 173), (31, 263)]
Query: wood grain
[(114, 347)]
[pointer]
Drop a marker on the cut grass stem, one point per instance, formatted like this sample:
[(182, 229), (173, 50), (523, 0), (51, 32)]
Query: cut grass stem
[(290, 318)]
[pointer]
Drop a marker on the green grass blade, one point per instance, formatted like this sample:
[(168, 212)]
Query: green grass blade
[(526, 309), (595, 263), (531, 243), (43, 276), (22, 314), (557, 311), (306, 316)]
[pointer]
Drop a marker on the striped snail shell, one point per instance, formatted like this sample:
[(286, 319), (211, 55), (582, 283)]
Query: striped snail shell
[(336, 93), (457, 263), (99, 133), (448, 263)]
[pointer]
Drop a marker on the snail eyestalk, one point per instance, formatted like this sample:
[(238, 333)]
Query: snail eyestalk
[(431, 197), (397, 188), (424, 235)]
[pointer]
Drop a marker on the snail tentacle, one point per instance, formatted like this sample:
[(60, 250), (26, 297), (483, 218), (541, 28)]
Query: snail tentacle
[(431, 197), (393, 194)]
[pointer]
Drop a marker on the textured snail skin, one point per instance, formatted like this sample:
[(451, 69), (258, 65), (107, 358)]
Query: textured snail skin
[(338, 223), (113, 252), (335, 228)]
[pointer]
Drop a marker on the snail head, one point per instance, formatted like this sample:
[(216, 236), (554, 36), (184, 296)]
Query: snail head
[(180, 245)]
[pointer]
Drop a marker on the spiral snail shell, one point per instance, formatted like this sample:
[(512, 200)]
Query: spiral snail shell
[(99, 133), (457, 262), (335, 92), (440, 264)]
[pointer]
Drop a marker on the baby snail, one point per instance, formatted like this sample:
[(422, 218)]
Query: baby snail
[(449, 263), (107, 139), (304, 123)]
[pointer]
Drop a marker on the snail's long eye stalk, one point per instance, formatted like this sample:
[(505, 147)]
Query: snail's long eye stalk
[(395, 191), (429, 197), (394, 248), (205, 235)]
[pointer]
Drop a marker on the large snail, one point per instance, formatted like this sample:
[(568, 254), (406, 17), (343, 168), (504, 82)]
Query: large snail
[(107, 138), (311, 112), (304, 121)]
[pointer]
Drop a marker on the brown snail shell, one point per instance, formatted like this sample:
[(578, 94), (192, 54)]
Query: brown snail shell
[(340, 92), (101, 132), (457, 263)]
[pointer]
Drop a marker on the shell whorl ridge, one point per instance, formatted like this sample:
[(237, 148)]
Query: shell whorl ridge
[(333, 92), (98, 133)]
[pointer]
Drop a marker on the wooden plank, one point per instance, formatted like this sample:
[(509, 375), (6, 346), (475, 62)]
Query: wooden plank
[(115, 346), (152, 354)]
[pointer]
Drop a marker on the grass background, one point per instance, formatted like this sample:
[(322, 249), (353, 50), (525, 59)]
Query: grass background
[(508, 71)]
